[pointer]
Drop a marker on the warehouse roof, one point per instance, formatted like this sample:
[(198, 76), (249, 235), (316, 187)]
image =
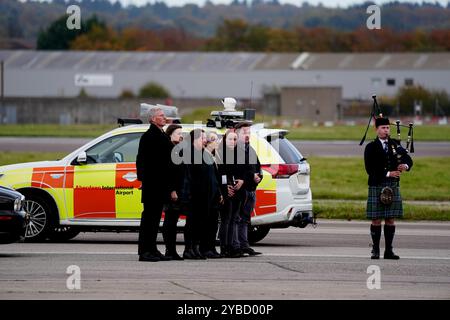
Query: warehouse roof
[(219, 61)]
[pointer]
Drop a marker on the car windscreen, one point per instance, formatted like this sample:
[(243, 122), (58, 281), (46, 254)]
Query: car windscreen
[(288, 152)]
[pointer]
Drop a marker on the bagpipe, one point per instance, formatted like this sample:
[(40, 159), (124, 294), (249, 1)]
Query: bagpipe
[(397, 148)]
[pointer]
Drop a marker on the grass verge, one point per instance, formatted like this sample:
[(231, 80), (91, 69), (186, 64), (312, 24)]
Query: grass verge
[(346, 178), (53, 130), (7, 157), (305, 132), (356, 210)]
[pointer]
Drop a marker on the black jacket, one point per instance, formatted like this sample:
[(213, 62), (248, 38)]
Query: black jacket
[(205, 185), (180, 175), (153, 165), (378, 163), (250, 167), (229, 168)]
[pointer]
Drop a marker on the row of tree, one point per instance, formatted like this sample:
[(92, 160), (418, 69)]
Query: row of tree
[(433, 102), (96, 35), (23, 19), (238, 35)]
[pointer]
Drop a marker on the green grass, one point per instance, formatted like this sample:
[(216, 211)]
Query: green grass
[(421, 133), (356, 210), (303, 132), (346, 178), (54, 130), (7, 157)]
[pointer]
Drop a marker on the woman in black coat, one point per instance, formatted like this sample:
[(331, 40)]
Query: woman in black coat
[(229, 173), (204, 189), (177, 195)]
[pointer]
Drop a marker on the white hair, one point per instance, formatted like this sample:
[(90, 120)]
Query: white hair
[(152, 112)]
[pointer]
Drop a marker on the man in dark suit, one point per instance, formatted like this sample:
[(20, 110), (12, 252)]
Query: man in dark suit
[(385, 160), (250, 167), (152, 166)]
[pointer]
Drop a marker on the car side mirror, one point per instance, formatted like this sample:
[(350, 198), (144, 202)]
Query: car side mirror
[(82, 158)]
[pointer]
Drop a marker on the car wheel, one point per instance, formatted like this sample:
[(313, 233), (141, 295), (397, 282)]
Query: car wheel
[(63, 233), (39, 221), (257, 233)]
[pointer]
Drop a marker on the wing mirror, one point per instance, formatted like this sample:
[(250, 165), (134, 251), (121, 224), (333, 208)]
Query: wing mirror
[(82, 158)]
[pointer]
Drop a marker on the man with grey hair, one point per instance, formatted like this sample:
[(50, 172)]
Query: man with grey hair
[(152, 166)]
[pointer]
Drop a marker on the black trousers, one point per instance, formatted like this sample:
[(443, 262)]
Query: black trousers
[(228, 217), (198, 225), (170, 228), (148, 231), (211, 226)]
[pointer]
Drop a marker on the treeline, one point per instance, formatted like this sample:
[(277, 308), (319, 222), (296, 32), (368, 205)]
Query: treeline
[(97, 35), (238, 35), (24, 20)]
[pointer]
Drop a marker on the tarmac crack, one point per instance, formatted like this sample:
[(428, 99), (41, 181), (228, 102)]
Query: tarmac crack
[(194, 291), (284, 267)]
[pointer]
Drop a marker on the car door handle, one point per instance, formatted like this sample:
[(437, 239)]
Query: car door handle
[(130, 176)]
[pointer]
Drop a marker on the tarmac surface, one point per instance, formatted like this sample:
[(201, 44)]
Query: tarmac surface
[(328, 262)]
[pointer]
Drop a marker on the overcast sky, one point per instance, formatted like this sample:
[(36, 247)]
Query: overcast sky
[(328, 3)]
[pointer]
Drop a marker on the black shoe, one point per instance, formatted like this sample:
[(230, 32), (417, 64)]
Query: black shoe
[(161, 256), (189, 255), (389, 254), (375, 254), (173, 255), (147, 256), (198, 254), (211, 255), (251, 252), (224, 252), (235, 253)]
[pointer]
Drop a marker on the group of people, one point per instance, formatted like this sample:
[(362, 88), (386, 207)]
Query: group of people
[(203, 178), (218, 178)]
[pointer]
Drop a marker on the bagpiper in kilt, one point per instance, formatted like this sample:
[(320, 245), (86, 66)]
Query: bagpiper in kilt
[(378, 210), (384, 160)]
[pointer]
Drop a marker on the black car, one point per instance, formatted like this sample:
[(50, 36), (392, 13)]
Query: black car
[(12, 215)]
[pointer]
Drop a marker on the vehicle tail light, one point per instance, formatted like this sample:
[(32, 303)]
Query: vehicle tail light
[(281, 171)]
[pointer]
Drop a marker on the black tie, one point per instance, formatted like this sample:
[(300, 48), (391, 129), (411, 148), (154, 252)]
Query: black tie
[(385, 146)]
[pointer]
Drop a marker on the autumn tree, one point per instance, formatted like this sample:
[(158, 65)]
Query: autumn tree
[(58, 37)]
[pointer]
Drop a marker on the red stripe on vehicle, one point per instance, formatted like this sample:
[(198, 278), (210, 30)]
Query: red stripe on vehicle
[(48, 177), (266, 202), (122, 169), (94, 203)]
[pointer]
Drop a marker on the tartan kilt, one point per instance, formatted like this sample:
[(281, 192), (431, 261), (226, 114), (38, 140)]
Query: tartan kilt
[(377, 210)]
